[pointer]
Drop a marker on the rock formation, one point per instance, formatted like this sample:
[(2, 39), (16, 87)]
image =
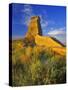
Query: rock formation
[(34, 27), (34, 37)]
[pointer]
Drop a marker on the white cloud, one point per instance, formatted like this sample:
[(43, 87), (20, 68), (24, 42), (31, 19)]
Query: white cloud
[(26, 14), (55, 32), (27, 9), (59, 34), (59, 31)]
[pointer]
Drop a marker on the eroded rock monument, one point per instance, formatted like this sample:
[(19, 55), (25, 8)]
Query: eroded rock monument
[(34, 37), (34, 27)]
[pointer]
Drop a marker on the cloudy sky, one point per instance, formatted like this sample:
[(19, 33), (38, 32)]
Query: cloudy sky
[(53, 20)]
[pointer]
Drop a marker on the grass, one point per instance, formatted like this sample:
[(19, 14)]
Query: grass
[(36, 65)]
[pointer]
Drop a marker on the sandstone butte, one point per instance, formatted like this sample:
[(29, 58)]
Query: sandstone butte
[(34, 29)]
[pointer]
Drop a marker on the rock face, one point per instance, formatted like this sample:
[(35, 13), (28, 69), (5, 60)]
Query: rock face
[(34, 27)]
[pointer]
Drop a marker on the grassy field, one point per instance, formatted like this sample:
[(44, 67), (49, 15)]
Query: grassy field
[(36, 65)]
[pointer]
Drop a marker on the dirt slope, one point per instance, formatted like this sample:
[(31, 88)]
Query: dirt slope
[(48, 42)]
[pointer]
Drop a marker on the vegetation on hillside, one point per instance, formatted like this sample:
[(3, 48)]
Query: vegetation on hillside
[(36, 65)]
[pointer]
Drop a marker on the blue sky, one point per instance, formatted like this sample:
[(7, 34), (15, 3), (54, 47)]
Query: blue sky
[(53, 20)]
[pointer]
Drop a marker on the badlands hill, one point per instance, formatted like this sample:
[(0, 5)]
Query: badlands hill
[(34, 34)]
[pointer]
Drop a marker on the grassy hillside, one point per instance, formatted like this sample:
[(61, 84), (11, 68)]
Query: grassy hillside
[(34, 64)]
